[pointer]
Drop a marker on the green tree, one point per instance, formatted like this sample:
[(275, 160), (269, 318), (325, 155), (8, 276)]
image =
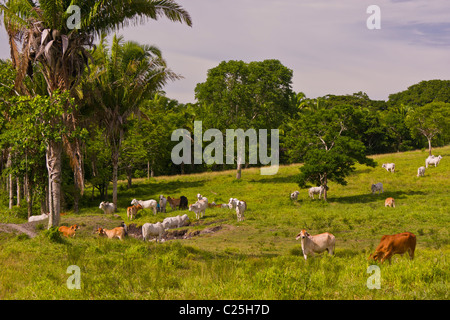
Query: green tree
[(430, 121), (322, 138), (59, 49), (121, 80), (239, 95)]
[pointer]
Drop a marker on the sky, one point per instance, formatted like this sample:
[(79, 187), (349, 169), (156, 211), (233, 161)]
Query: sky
[(326, 43)]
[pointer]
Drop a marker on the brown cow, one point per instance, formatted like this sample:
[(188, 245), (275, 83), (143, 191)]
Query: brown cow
[(389, 202), (68, 231), (395, 244)]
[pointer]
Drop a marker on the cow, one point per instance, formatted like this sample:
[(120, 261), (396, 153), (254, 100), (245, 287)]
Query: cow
[(183, 203), (377, 187), (107, 207), (38, 217), (146, 204), (389, 202), (152, 229), (173, 202), (316, 244), (162, 203), (118, 232), (389, 166), (421, 171), (68, 231), (433, 160), (131, 211), (316, 190), (199, 207), (395, 244), (294, 195)]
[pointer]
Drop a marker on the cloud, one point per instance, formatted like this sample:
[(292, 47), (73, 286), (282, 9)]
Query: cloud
[(325, 43)]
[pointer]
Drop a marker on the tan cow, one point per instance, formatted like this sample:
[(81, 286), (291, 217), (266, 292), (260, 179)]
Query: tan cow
[(395, 244), (316, 244), (389, 202), (132, 211)]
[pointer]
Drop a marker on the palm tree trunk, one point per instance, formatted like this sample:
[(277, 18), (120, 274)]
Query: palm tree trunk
[(53, 158), (115, 163)]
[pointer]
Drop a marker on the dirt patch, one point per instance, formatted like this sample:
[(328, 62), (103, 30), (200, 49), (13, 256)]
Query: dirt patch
[(29, 228), (89, 224)]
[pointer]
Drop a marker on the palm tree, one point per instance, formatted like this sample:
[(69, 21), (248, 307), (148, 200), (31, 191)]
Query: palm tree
[(121, 80), (61, 54)]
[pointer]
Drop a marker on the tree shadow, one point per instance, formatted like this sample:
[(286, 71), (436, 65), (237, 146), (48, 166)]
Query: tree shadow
[(369, 197), (275, 179)]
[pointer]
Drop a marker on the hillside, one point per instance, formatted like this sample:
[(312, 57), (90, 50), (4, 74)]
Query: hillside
[(258, 258)]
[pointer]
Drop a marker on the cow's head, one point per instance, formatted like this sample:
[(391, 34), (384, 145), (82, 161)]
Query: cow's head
[(302, 235)]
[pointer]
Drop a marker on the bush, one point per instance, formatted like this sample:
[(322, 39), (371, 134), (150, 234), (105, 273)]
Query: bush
[(53, 235)]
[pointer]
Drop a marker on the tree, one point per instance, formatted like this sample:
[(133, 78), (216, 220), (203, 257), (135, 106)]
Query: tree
[(59, 50), (323, 142), (429, 120), (239, 95), (121, 80)]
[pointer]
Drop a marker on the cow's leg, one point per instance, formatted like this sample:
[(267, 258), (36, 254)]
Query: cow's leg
[(387, 256)]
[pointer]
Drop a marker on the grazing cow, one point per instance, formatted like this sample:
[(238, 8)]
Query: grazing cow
[(183, 203), (173, 202), (107, 207), (377, 187), (131, 211), (118, 232), (175, 222), (316, 190), (146, 204), (162, 203), (389, 166), (395, 244), (389, 202), (294, 195), (433, 160), (199, 207), (68, 231), (38, 217), (316, 244), (421, 171), (152, 229)]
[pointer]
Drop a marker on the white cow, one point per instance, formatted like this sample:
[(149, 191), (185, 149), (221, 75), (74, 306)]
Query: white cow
[(377, 187), (200, 197), (232, 203), (241, 206), (199, 207), (316, 190), (175, 222), (107, 207), (38, 218), (421, 171), (316, 244), (389, 166), (433, 160), (146, 204), (152, 229), (162, 203), (294, 195)]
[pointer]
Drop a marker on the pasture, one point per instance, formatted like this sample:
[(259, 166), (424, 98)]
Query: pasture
[(257, 258)]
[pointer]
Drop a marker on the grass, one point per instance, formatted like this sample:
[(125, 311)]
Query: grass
[(258, 258)]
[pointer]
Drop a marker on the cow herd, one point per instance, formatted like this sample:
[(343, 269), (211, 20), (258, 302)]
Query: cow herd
[(311, 244), (389, 244)]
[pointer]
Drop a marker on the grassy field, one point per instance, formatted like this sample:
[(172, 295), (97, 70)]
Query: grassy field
[(258, 258)]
